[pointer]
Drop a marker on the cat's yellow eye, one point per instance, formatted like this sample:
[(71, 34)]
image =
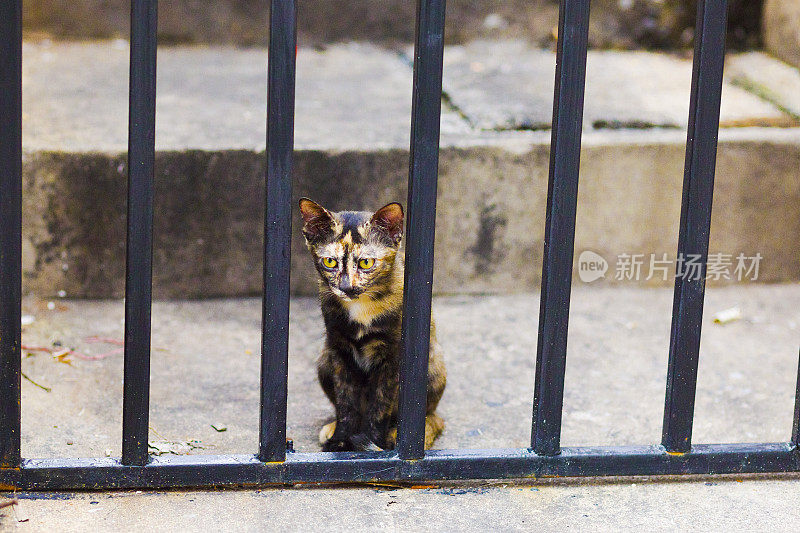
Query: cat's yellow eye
[(329, 262), (366, 263)]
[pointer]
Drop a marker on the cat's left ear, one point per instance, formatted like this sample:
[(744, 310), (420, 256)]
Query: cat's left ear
[(389, 220)]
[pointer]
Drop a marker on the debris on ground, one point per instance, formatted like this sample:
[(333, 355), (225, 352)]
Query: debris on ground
[(61, 354), (161, 447), (728, 315), (8, 502), (27, 320), (46, 389), (219, 427), (12, 503)]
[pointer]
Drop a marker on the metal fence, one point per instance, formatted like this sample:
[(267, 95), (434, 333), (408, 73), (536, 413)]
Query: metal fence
[(273, 463)]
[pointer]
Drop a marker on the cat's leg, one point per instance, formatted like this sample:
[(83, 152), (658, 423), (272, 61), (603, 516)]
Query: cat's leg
[(382, 406), (437, 376), (434, 425), (346, 387), (437, 380), (325, 374)]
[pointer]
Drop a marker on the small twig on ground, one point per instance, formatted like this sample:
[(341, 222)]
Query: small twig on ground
[(96, 357), (9, 503), (107, 340), (48, 389), (62, 352), (159, 435)]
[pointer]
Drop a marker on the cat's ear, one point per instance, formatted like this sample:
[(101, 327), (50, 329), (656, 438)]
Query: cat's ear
[(317, 221), (389, 221)]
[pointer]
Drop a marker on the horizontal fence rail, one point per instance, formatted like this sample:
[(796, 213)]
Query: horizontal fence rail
[(341, 467), (273, 463)]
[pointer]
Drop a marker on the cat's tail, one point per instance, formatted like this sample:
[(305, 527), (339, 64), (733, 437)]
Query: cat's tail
[(434, 425)]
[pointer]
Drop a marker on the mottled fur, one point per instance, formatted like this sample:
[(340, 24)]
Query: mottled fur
[(362, 308)]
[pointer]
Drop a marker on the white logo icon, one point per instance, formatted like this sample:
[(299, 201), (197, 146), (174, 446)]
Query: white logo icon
[(591, 266)]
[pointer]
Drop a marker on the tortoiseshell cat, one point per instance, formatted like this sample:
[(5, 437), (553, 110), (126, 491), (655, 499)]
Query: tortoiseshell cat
[(361, 294)]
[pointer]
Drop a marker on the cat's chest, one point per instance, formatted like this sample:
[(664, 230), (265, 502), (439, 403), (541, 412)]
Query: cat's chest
[(361, 314), (368, 345)]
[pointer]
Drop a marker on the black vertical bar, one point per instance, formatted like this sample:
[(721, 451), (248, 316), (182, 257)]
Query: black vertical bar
[(421, 227), (278, 229), (559, 242), (796, 424), (10, 229), (138, 276), (695, 226)]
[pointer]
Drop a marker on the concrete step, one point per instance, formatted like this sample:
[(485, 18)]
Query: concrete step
[(352, 134)]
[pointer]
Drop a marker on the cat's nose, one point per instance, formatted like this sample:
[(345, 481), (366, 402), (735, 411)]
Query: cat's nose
[(346, 287), (351, 293)]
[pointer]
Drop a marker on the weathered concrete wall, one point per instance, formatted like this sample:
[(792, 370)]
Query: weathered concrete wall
[(614, 24), (782, 29), (490, 213)]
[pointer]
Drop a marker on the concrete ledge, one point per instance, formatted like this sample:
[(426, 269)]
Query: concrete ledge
[(490, 222)]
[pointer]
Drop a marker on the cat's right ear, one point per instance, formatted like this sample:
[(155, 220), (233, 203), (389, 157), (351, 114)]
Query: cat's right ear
[(317, 221)]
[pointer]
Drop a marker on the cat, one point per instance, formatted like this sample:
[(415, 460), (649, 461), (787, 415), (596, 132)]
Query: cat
[(360, 267)]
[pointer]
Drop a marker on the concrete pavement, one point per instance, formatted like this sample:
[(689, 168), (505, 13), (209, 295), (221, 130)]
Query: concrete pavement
[(720, 504), (205, 373)]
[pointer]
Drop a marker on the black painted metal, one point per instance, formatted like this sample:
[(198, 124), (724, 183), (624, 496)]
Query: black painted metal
[(695, 225), (796, 423), (138, 280), (10, 229), (421, 225), (237, 470), (277, 230), (559, 241)]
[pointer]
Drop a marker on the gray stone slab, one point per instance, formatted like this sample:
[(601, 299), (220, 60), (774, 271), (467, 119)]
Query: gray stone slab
[(782, 29), (348, 96), (509, 85), (770, 78)]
